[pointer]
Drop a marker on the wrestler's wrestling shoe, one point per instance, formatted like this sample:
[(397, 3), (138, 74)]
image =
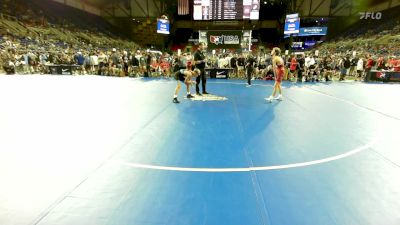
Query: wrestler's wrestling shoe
[(279, 98), (175, 100), (269, 99)]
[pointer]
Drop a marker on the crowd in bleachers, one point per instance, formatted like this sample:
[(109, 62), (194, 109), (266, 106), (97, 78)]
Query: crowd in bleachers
[(97, 61), (367, 45), (32, 39)]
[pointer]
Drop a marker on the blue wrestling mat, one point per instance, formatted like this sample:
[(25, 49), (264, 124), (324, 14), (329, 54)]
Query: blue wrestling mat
[(116, 151)]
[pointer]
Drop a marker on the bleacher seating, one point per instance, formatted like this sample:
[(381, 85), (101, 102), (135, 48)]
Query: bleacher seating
[(390, 19), (373, 36)]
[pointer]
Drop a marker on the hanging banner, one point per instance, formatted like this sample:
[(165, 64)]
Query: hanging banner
[(292, 24), (309, 44), (383, 76), (162, 26), (224, 39), (311, 31), (297, 45)]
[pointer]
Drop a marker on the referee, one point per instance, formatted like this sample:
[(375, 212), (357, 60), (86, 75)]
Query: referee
[(200, 63), (250, 67)]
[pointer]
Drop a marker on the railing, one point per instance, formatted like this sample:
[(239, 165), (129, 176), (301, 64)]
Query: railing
[(8, 17)]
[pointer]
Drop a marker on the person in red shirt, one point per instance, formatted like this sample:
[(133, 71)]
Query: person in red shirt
[(396, 65), (165, 68), (381, 63), (293, 67), (279, 71), (189, 65), (154, 66), (370, 64), (391, 62)]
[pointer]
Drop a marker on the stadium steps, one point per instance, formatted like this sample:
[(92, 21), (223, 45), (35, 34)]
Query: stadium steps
[(6, 26), (383, 40), (22, 29)]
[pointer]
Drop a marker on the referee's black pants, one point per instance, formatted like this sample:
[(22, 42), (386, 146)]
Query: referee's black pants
[(203, 79), (249, 72), (300, 76)]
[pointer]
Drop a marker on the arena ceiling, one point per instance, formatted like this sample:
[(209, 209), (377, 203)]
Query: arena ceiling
[(130, 8), (135, 18), (100, 3), (138, 17), (311, 8)]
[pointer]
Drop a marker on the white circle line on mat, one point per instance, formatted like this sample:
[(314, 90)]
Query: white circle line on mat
[(245, 169)]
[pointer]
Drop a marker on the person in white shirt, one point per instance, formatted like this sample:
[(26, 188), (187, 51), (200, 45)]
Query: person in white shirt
[(228, 60), (221, 62), (94, 62), (102, 60), (125, 60), (307, 61), (360, 68), (311, 64)]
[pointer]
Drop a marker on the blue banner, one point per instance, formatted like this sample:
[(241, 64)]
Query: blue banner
[(292, 24), (297, 45), (311, 31), (162, 26), (309, 44)]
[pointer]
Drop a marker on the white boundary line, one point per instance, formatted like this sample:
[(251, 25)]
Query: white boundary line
[(245, 169), (250, 169)]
